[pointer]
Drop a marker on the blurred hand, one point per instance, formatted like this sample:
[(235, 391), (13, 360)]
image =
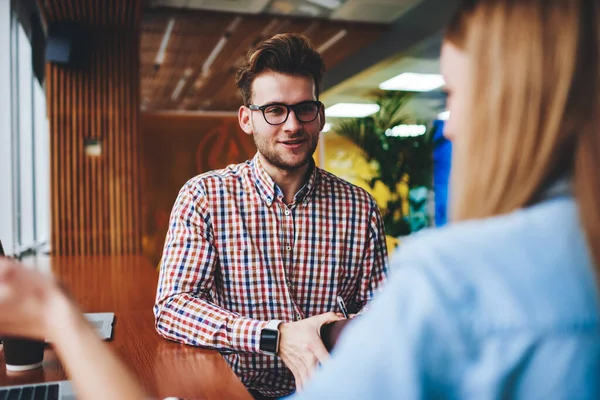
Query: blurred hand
[(26, 300), (301, 348)]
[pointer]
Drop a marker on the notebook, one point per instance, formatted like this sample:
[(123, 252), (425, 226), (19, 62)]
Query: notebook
[(103, 323)]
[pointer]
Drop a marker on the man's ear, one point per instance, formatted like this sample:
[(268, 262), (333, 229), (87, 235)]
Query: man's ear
[(245, 120), (322, 116)]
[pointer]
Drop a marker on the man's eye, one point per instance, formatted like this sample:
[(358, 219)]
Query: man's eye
[(274, 110)]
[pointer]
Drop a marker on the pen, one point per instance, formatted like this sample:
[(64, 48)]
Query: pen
[(342, 306)]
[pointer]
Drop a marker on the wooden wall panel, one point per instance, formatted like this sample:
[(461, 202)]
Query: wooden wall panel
[(95, 199), (175, 148)]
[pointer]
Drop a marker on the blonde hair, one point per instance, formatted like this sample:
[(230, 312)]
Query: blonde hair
[(534, 105)]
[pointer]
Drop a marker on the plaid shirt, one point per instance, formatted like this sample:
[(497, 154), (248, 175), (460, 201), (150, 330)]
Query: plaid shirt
[(236, 256)]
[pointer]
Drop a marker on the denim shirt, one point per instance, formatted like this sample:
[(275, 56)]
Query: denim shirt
[(505, 307)]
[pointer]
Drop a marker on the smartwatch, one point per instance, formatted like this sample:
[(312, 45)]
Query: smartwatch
[(269, 337)]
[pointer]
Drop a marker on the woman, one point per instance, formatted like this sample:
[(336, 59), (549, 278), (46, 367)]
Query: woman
[(504, 302)]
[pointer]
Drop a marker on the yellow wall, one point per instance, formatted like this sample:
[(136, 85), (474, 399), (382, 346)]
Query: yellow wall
[(346, 160)]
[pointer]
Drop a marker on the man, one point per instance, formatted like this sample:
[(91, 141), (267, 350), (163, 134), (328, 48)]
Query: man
[(256, 253)]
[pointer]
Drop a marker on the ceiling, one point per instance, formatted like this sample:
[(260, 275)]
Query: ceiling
[(402, 36), (422, 58), (377, 11), (411, 44), (206, 48)]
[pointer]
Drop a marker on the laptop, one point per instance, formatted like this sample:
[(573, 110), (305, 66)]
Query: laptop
[(61, 390)]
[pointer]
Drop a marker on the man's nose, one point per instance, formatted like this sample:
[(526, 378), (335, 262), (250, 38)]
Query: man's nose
[(292, 123)]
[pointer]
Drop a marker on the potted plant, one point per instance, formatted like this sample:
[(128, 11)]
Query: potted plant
[(401, 151)]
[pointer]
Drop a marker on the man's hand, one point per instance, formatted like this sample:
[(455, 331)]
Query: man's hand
[(301, 348)]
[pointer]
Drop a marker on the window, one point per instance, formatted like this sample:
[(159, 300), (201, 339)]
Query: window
[(24, 144)]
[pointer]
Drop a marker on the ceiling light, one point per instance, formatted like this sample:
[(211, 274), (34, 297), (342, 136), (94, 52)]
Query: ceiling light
[(220, 45), (186, 75), (444, 116), (213, 55), (309, 10), (351, 110), (333, 40), (267, 30), (326, 127), (160, 56), (406, 131), (412, 82), (331, 4)]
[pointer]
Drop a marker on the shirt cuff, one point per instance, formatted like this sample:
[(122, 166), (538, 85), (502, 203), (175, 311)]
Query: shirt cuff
[(246, 334)]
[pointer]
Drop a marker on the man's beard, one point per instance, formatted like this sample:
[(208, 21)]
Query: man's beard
[(277, 161)]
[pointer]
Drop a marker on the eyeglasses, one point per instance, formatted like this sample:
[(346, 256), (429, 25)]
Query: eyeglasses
[(278, 113)]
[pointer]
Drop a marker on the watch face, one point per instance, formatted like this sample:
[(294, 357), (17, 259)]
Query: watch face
[(268, 340)]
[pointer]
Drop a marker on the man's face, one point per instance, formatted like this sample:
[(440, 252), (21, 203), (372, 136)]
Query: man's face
[(290, 145)]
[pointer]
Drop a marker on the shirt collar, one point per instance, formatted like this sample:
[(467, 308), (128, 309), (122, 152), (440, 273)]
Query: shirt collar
[(306, 191), (263, 181), (268, 190), (561, 187)]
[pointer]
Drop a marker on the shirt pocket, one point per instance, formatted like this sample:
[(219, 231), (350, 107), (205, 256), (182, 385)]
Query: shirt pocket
[(340, 265), (322, 260)]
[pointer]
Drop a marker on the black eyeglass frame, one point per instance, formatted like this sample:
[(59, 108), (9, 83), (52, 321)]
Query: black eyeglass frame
[(289, 107)]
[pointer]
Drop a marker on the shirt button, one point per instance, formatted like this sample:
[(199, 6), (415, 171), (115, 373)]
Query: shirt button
[(288, 283), (288, 248), (298, 317), (287, 212)]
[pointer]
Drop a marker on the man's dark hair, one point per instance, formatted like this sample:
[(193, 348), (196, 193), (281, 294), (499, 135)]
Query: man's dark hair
[(286, 53)]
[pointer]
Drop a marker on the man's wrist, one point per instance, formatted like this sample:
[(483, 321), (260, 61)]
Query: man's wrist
[(270, 337), (246, 335)]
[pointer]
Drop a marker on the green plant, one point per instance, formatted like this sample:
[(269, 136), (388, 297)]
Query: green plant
[(396, 159)]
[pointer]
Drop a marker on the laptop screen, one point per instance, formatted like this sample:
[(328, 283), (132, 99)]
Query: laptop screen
[(1, 250)]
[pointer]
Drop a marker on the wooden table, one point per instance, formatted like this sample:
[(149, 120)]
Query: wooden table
[(126, 285)]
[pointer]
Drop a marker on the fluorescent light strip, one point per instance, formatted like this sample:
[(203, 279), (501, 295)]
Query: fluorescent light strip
[(266, 31), (413, 82), (178, 89), (311, 28), (213, 55), (233, 25), (444, 115), (351, 110), (186, 74), (220, 45), (331, 4), (309, 10), (333, 40), (160, 56), (406, 131)]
